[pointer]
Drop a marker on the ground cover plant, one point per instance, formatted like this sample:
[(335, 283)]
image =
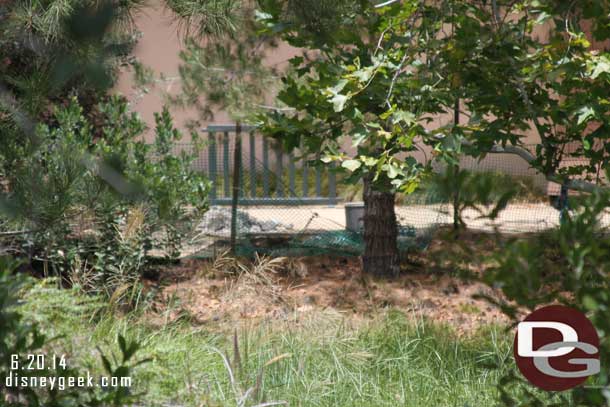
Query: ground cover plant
[(23, 336)]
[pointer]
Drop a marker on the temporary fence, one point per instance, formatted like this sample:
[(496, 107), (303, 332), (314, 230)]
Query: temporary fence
[(267, 200)]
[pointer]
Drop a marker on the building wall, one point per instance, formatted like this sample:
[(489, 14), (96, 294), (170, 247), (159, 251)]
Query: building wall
[(159, 50)]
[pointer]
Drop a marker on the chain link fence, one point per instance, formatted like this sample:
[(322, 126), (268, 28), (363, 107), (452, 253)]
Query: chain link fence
[(288, 204)]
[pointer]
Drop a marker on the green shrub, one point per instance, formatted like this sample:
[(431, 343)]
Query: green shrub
[(96, 206), (570, 265), (20, 337)]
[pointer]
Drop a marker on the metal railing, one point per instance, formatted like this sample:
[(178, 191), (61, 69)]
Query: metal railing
[(269, 175)]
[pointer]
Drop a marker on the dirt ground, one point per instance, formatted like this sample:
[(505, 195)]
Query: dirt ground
[(288, 290), (516, 218)]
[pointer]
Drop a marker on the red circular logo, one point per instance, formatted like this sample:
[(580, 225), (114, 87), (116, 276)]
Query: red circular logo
[(556, 348)]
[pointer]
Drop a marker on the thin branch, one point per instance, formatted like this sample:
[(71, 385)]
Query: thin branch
[(386, 3), (381, 39), (393, 83), (275, 108), (573, 184)]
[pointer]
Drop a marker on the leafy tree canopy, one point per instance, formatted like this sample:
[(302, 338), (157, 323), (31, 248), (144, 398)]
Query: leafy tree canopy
[(385, 76)]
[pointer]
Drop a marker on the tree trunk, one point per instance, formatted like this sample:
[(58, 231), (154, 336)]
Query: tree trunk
[(380, 232)]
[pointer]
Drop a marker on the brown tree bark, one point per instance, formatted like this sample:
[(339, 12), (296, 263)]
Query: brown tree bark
[(380, 232)]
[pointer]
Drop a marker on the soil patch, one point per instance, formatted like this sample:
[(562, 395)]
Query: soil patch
[(290, 289)]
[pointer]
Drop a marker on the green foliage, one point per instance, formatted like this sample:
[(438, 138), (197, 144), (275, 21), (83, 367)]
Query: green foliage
[(570, 265), (227, 72), (410, 65), (351, 89), (388, 360), (95, 208), (311, 23), (19, 337), (52, 51), (16, 335), (226, 75), (201, 18)]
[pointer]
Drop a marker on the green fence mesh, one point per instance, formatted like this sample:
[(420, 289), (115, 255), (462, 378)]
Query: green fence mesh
[(289, 207)]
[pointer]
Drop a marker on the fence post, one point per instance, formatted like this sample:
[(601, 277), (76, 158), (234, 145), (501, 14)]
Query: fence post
[(225, 165), (318, 177), (563, 204), (291, 175), (236, 185), (305, 176)]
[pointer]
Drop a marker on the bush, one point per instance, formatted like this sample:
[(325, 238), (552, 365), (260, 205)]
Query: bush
[(572, 266), (22, 338), (94, 207)]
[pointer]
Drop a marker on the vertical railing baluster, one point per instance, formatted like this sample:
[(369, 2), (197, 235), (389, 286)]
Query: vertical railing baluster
[(305, 177), (239, 138), (253, 175), (236, 186), (279, 176), (212, 169), (332, 184), (225, 166), (265, 168), (291, 170)]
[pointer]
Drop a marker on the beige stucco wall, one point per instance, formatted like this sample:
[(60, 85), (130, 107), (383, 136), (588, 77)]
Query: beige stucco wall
[(159, 49)]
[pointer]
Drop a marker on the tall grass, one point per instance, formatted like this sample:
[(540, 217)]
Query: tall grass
[(317, 359)]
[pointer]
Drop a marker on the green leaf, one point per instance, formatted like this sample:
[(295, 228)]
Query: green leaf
[(105, 362), (585, 114), (338, 87), (590, 303), (363, 75), (356, 115), (122, 343), (351, 165), (602, 66), (543, 17), (261, 16), (410, 187), (369, 161), (338, 102), (401, 116), (359, 136), (392, 171)]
